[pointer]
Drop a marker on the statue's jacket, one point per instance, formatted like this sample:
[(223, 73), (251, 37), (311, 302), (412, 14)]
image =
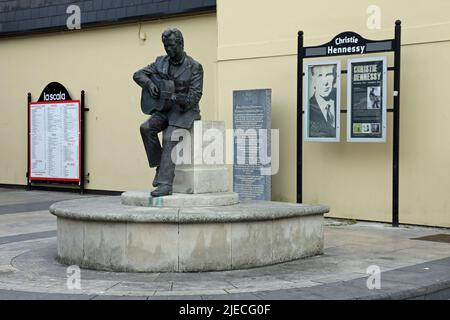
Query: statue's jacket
[(188, 81)]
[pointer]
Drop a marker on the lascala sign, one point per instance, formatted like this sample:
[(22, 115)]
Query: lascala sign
[(54, 96), (54, 91)]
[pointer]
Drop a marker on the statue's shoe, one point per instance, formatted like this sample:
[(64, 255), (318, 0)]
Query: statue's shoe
[(162, 190), (154, 183)]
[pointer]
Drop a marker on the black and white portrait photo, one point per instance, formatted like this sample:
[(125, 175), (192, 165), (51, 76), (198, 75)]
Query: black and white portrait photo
[(322, 103)]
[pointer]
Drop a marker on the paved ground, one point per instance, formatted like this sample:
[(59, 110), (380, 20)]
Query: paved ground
[(410, 268)]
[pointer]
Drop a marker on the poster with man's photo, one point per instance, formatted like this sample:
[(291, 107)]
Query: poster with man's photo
[(322, 101), (366, 110)]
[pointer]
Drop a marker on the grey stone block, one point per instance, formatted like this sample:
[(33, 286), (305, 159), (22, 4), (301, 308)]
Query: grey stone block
[(200, 179), (287, 239), (204, 247), (70, 244), (105, 246), (205, 170), (252, 244), (152, 247)]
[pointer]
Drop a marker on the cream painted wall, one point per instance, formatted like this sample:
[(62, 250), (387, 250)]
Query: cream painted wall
[(257, 49), (100, 61)]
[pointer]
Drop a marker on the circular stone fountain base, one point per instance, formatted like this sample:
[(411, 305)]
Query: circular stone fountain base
[(102, 233)]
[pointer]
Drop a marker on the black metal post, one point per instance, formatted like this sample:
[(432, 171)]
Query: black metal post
[(28, 142), (396, 142), (82, 148), (300, 117)]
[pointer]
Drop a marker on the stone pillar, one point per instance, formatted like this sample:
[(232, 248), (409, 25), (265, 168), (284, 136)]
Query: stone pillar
[(206, 170)]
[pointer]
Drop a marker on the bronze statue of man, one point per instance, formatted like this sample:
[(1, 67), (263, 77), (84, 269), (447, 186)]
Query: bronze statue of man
[(171, 87)]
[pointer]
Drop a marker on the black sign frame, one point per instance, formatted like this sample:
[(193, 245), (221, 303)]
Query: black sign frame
[(55, 91), (350, 41)]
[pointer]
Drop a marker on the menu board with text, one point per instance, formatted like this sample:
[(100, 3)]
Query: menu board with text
[(54, 141)]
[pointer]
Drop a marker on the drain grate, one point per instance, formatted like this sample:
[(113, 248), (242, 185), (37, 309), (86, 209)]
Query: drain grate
[(435, 237)]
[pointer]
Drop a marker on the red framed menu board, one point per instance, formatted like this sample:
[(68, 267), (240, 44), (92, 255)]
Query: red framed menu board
[(54, 141)]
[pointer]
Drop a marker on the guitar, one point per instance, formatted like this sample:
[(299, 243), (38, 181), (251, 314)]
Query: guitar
[(160, 103)]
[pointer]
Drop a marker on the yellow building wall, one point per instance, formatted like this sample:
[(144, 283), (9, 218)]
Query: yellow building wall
[(100, 61), (257, 49)]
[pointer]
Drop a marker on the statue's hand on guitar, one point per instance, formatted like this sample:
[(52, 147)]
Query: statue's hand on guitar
[(153, 89), (156, 95)]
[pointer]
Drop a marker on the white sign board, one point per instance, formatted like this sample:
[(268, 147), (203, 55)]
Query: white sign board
[(54, 141), (322, 101)]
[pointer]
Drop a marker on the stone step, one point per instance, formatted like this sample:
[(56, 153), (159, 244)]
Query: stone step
[(179, 200)]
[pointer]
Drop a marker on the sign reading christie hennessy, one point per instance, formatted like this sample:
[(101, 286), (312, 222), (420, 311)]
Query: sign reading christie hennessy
[(347, 43), (366, 97)]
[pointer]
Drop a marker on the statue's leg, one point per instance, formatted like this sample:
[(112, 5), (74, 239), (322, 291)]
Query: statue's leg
[(167, 168), (149, 132)]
